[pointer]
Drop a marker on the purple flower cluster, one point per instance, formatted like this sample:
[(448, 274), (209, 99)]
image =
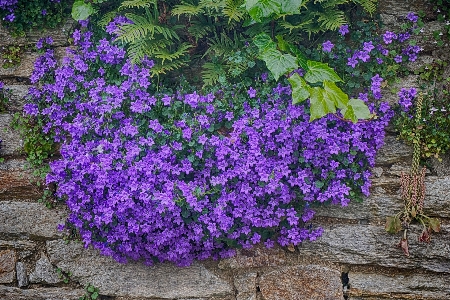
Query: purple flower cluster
[(406, 97), (376, 86), (8, 6), (178, 177)]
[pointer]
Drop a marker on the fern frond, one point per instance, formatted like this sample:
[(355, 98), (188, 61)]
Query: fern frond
[(159, 68), (234, 11), (137, 4), (164, 54), (331, 19), (212, 72), (369, 5), (221, 45), (200, 29), (292, 27), (187, 9), (213, 5), (333, 3), (140, 28), (106, 18)]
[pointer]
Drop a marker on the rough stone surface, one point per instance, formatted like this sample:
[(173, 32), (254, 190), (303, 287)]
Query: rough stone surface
[(16, 181), (400, 286), (11, 141), (17, 245), (21, 271), (385, 201), (44, 272), (135, 279), (258, 256), (7, 264), (245, 284), (29, 219), (12, 293), (18, 93), (393, 151), (372, 245), (301, 282), (24, 69), (59, 35)]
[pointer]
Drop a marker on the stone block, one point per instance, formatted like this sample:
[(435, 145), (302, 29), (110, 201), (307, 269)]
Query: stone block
[(403, 286), (7, 293), (245, 284), (11, 141), (16, 181), (134, 279), (7, 266), (258, 256), (44, 272), (21, 271), (301, 282), (23, 69), (355, 244), (32, 220)]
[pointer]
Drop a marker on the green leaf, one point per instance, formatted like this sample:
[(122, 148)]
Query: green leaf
[(258, 9), (435, 224), (356, 110), (301, 58), (299, 89), (278, 63), (282, 44), (319, 72), (94, 296), (264, 42), (290, 6), (393, 224), (320, 106), (333, 92), (81, 10), (91, 289)]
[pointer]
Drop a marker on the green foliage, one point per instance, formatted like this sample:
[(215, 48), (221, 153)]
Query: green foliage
[(38, 146), (64, 276), (92, 293), (11, 56), (82, 10), (36, 14)]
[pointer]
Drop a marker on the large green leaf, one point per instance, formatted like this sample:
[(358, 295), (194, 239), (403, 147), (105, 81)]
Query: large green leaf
[(356, 110), (258, 9), (278, 63), (320, 105), (81, 10), (264, 42), (290, 6), (299, 89), (319, 72), (301, 58), (333, 92)]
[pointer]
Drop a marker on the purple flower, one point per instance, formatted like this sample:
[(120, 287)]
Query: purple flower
[(412, 17), (368, 46), (251, 92), (327, 46), (406, 96), (343, 30), (352, 61), (389, 36), (398, 58)]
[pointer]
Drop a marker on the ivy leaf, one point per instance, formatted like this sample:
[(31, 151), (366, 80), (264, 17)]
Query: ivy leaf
[(290, 6), (320, 105), (299, 88), (81, 10), (264, 42), (278, 63), (435, 224), (356, 110), (393, 224), (333, 92), (258, 9), (319, 72)]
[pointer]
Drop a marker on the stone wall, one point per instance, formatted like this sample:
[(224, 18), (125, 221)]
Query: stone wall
[(354, 249)]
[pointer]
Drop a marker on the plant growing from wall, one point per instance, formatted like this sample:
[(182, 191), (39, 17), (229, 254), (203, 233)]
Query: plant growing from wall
[(413, 191), (22, 15)]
